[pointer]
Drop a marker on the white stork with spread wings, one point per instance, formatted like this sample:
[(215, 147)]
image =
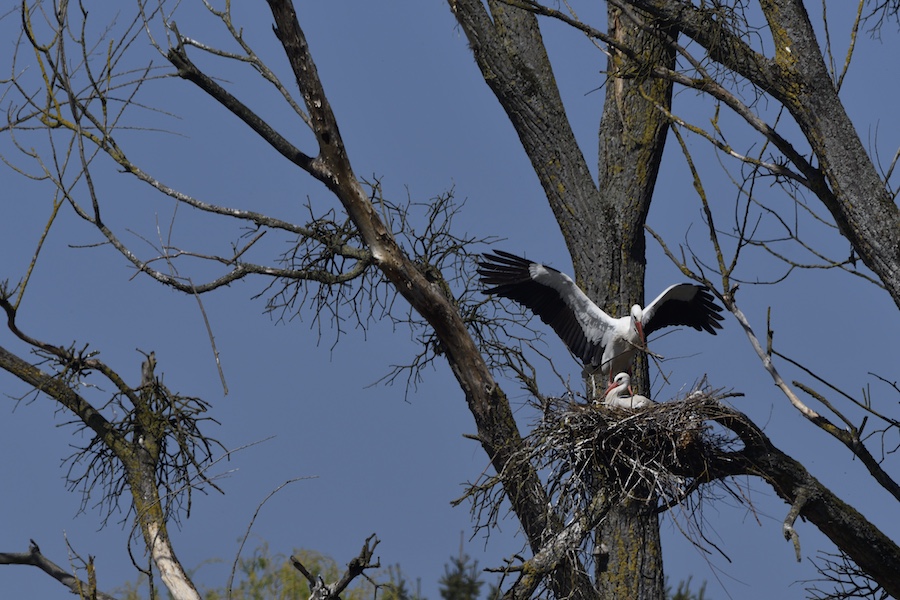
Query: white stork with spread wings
[(599, 340)]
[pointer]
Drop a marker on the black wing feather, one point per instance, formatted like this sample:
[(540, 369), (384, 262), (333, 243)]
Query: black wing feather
[(699, 312), (509, 276)]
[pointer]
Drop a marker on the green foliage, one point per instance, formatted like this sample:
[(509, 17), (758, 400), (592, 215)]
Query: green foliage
[(683, 591), (264, 576), (267, 576), (460, 580), (494, 592), (132, 591), (395, 588)]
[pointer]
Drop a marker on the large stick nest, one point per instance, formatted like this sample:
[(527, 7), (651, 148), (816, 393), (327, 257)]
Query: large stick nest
[(664, 451)]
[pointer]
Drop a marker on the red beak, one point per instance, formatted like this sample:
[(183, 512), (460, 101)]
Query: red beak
[(640, 329), (611, 387)]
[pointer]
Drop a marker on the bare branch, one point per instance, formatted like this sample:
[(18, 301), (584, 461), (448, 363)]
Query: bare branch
[(356, 567), (864, 543), (790, 533), (189, 71), (848, 580), (849, 436), (84, 589), (237, 556), (155, 445)]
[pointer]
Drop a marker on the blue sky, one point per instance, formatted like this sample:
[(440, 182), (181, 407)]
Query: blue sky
[(415, 112)]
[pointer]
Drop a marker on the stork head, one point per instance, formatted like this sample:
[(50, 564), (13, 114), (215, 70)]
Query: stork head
[(622, 380), (637, 317)]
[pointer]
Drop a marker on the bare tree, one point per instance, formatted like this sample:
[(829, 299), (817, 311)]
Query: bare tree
[(643, 41), (602, 222), (357, 258), (155, 451)]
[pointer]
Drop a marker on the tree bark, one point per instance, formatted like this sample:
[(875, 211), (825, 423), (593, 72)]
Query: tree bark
[(497, 429), (857, 198), (510, 52), (632, 138), (845, 180), (34, 558), (601, 224), (138, 463), (872, 551)]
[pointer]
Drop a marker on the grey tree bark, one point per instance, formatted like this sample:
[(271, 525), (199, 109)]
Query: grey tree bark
[(844, 179), (603, 222)]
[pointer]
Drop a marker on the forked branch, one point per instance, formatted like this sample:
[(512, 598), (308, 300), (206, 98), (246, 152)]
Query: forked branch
[(79, 587), (321, 590)]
